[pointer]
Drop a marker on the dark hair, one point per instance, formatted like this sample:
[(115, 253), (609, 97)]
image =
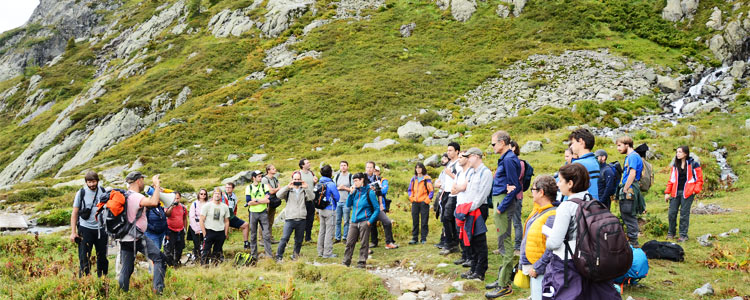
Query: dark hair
[(295, 173), (326, 171), (359, 175), (516, 149), (584, 134), (370, 163), (268, 167), (445, 155), (178, 193), (91, 176), (686, 150), (420, 165), (302, 162), (230, 184), (344, 162), (578, 174), (546, 184), (198, 196), (455, 146)]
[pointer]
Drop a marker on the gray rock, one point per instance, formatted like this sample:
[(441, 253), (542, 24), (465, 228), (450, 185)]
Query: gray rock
[(240, 178), (426, 295), (233, 157), (420, 156), (432, 161), (257, 157), (281, 15), (73, 183), (714, 22), (256, 76), (182, 96), (352, 9), (314, 24), (442, 265), (451, 296), (414, 130), (40, 110), (408, 296), (692, 130), (411, 284), (280, 55), (136, 38), (531, 146), (502, 11), (137, 164), (667, 84), (223, 165), (704, 240), (441, 134), (676, 10), (738, 69), (378, 145), (747, 123), (463, 9), (458, 285), (182, 152), (407, 29), (114, 174), (705, 290), (717, 45), (227, 22), (430, 141), (734, 231)]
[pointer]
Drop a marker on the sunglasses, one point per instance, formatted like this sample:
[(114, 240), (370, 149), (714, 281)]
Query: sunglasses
[(534, 189)]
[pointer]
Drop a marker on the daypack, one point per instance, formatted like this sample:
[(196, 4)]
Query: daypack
[(638, 270), (647, 176), (663, 250), (243, 259), (528, 173), (113, 216), (602, 251), (157, 220), (618, 171), (320, 201)]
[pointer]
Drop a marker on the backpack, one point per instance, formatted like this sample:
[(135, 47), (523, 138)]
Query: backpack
[(112, 215), (637, 271), (663, 250), (602, 251), (243, 259), (273, 201), (320, 200), (157, 220), (528, 173), (618, 171), (647, 176)]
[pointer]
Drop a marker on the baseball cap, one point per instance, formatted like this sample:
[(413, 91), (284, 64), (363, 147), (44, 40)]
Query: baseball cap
[(256, 173), (600, 152), (377, 168), (133, 176), (475, 151)]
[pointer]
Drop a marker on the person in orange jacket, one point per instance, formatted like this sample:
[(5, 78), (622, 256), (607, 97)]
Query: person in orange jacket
[(685, 181), (420, 194)]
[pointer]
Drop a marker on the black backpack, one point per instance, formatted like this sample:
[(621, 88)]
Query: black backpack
[(528, 173), (602, 251), (320, 201), (116, 225), (663, 250), (618, 171)]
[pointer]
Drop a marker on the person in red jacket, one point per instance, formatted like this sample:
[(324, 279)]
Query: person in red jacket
[(685, 181)]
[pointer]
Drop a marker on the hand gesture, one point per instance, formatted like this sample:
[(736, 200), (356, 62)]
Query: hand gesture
[(73, 237), (156, 182)]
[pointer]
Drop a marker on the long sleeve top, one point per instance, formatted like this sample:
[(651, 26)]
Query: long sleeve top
[(507, 173)]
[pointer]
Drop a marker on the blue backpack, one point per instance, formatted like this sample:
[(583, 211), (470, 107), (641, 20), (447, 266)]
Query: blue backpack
[(637, 271), (157, 220)]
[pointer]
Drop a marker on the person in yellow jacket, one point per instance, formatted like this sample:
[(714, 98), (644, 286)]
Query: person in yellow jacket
[(534, 256), (420, 193)]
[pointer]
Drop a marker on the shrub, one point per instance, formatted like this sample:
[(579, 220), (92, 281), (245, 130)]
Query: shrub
[(56, 217), (33, 195)]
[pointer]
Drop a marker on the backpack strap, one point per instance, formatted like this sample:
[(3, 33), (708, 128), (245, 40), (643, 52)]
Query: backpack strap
[(350, 179)]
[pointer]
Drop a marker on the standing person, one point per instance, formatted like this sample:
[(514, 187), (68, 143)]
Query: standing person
[(136, 205), (420, 194), (256, 196), (569, 156), (381, 191), (272, 183), (561, 279), (685, 181), (215, 223), (327, 215), (534, 254), (581, 143), (85, 230), (449, 200), (343, 181), (507, 174), (177, 215), (607, 180), (436, 206), (157, 224), (296, 193), (230, 199), (461, 181), (308, 177), (373, 182), (195, 223), (629, 193), (364, 203), (516, 216), (471, 212)]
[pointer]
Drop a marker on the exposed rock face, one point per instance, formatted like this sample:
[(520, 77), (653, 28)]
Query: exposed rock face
[(36, 113), (531, 146), (281, 55), (714, 22), (135, 39), (677, 10), (230, 22), (463, 9), (731, 44), (414, 130), (502, 11), (352, 9), (281, 14), (518, 6), (378, 144), (7, 94)]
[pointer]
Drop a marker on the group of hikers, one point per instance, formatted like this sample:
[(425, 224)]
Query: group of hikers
[(350, 206)]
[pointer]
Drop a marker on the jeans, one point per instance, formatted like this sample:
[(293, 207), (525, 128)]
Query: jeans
[(682, 205), (173, 246), (213, 245), (419, 214), (535, 284), (92, 239), (325, 234), (157, 238), (517, 225), (127, 256), (387, 229), (298, 226), (342, 214), (449, 222), (362, 233), (309, 220), (505, 243), (261, 218)]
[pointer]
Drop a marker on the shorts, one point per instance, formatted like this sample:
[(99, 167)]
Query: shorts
[(236, 222)]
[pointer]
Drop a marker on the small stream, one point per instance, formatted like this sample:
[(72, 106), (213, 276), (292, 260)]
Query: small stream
[(728, 177)]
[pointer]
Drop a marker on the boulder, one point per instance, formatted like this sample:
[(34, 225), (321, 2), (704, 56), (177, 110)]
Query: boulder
[(377, 145), (738, 69), (714, 22), (667, 84), (74, 183), (281, 15), (407, 29), (229, 22), (408, 296), (451, 296), (441, 134), (704, 240), (426, 295), (432, 161), (233, 157), (182, 152), (531, 146), (705, 290), (672, 11), (414, 130), (430, 141), (257, 158), (692, 130), (411, 284), (458, 285), (747, 123), (463, 9), (113, 174), (240, 178), (502, 11), (717, 44), (137, 164)]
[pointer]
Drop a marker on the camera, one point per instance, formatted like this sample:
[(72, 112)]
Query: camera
[(85, 213), (297, 183), (375, 186)]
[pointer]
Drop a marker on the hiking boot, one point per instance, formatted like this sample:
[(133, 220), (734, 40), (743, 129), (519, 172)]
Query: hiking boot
[(449, 250), (459, 261), (466, 274), (294, 257), (682, 239), (336, 241), (423, 242), (493, 285), (475, 276), (391, 246), (440, 245), (467, 264), (670, 236), (413, 242), (373, 245), (499, 292), (361, 265), (247, 245)]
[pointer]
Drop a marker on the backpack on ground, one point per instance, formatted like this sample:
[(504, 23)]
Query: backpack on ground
[(602, 252), (243, 259), (663, 250), (618, 171), (320, 201), (528, 173), (647, 176), (112, 214), (637, 271)]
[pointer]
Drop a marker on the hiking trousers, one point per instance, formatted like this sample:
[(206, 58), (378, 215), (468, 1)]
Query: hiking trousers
[(419, 214), (148, 248), (357, 232), (505, 243), (174, 243), (92, 239), (682, 205), (342, 214), (631, 221), (309, 219), (517, 224), (213, 245), (326, 232), (387, 229), (260, 218), (449, 222)]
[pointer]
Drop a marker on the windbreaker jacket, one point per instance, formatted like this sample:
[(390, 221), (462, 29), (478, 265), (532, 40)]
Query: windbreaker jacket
[(420, 191), (694, 183)]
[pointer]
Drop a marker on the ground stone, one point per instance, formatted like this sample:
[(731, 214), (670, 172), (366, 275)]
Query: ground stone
[(432, 161), (379, 144), (411, 284), (458, 285), (704, 240), (414, 130), (531, 146), (257, 157), (705, 290), (407, 29), (408, 296)]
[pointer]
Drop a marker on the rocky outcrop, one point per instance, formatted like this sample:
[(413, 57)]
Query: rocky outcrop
[(677, 10), (407, 29), (378, 144), (136, 38), (7, 94), (518, 6), (352, 9), (463, 9), (502, 11), (714, 22), (414, 130), (280, 55), (38, 111), (227, 22), (281, 14), (730, 45)]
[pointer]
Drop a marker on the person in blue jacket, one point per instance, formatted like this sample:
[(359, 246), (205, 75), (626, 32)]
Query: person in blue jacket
[(365, 210), (327, 215), (608, 179)]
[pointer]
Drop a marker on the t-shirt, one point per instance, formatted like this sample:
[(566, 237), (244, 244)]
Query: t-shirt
[(343, 179), (89, 198), (270, 183), (462, 197), (231, 202), (215, 215), (134, 204), (635, 162), (308, 177), (176, 220), (448, 183)]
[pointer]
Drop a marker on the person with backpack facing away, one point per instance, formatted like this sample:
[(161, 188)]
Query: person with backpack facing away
[(364, 203), (382, 192), (132, 242), (272, 183), (256, 196), (177, 215), (685, 181), (85, 230), (420, 193), (195, 223), (581, 143), (343, 181), (327, 215), (534, 255), (214, 222), (629, 192), (157, 224), (647, 177), (296, 193), (607, 179), (562, 279), (230, 199)]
